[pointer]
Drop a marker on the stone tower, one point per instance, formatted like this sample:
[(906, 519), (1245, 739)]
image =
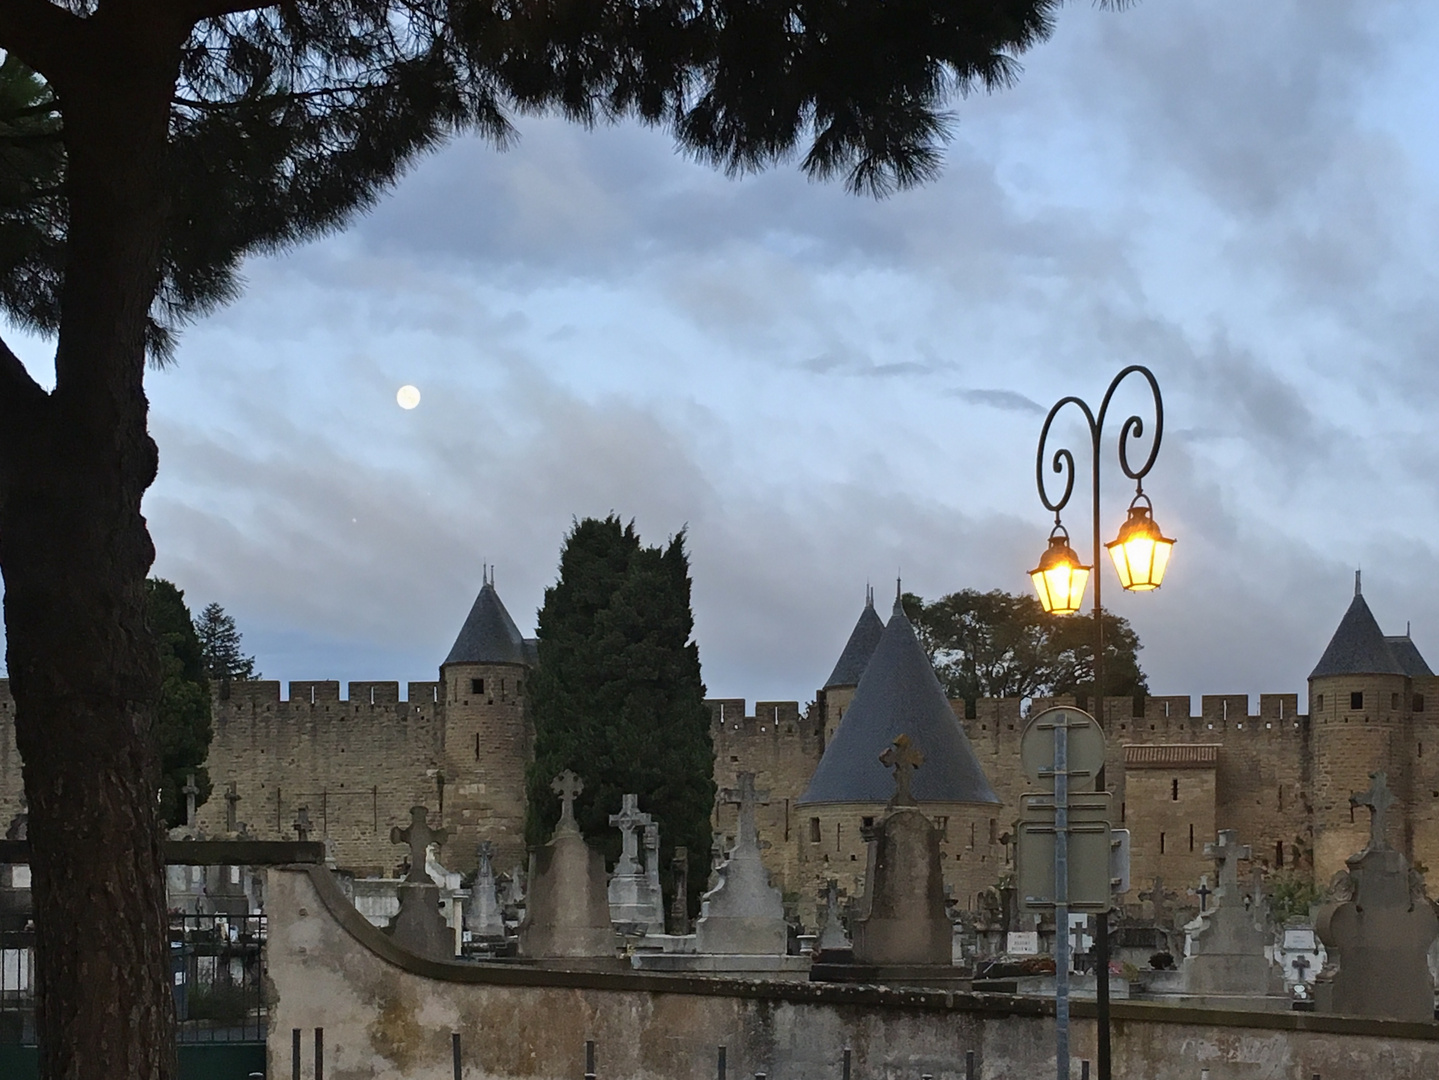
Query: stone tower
[(839, 688), (1365, 709), (487, 736)]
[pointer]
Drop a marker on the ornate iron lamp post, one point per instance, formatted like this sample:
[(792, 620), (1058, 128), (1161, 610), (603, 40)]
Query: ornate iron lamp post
[(1140, 555)]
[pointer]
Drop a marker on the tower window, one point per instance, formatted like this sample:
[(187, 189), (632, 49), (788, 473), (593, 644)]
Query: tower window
[(1279, 855), (1394, 701), (1174, 790), (1319, 703), (866, 822), (1356, 699), (1191, 837), (1161, 843), (814, 830), (477, 746), (477, 686), (1418, 702), (942, 825), (993, 831)]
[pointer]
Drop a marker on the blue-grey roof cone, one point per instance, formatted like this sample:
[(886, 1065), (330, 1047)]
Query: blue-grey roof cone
[(899, 694), (858, 649), (1408, 656), (489, 635), (1358, 647)]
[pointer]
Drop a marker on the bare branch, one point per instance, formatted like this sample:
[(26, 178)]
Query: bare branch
[(41, 34)]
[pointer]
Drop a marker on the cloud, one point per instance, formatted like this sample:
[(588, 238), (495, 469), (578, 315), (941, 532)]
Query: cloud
[(1008, 400)]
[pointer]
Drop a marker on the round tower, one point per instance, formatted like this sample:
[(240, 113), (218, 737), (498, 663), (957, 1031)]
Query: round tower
[(839, 688), (487, 738), (1361, 715)]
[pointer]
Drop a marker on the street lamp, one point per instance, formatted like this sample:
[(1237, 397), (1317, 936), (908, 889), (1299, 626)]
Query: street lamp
[(1140, 554)]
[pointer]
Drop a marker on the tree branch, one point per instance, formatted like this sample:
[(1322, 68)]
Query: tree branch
[(41, 34), (20, 399)]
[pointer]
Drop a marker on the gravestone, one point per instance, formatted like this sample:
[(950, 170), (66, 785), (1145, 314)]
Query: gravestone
[(419, 926), (903, 921), (744, 913), (1227, 941), (232, 803), (302, 824), (191, 792), (1378, 928), (567, 914), (833, 941), (636, 904), (483, 918), (680, 901)]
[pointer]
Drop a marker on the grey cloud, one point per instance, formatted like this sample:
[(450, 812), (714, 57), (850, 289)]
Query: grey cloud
[(1008, 400)]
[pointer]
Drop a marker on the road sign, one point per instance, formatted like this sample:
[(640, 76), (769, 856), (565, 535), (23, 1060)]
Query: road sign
[(1085, 749), (1119, 861), (1089, 866), (1085, 807)]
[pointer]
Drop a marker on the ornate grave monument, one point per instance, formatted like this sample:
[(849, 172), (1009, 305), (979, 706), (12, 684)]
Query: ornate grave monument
[(568, 913), (419, 926), (636, 905), (1227, 941), (1378, 926)]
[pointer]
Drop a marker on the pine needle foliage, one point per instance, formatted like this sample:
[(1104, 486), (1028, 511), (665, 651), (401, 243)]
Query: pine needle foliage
[(289, 119), (617, 696)]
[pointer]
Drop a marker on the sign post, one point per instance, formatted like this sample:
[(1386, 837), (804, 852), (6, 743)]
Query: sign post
[(1063, 845)]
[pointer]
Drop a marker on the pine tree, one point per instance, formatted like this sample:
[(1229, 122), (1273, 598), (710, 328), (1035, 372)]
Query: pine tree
[(220, 646), (182, 725), (617, 696)]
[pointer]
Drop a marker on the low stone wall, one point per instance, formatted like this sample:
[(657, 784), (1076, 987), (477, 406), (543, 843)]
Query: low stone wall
[(381, 1012)]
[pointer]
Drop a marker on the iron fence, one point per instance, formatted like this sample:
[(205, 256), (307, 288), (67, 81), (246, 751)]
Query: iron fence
[(217, 974)]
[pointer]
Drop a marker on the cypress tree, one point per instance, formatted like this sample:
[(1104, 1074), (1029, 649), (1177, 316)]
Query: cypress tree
[(182, 722), (618, 697)]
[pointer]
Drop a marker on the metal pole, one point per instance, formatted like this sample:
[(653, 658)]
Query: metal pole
[(720, 1071), (1061, 898), (455, 1048), (968, 1065), (589, 1059), (846, 1063)]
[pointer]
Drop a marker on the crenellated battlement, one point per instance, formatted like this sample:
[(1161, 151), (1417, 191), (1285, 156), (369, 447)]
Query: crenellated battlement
[(264, 694)]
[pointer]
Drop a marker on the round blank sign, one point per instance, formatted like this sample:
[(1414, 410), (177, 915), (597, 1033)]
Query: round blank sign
[(1085, 744)]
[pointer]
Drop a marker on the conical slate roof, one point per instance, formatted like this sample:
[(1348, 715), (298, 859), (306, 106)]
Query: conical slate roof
[(1358, 647), (859, 648), (489, 635), (1408, 656), (899, 694)]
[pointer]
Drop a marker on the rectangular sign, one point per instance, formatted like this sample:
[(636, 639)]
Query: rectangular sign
[(1023, 943), (1089, 866)]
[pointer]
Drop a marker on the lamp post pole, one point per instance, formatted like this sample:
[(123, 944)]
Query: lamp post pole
[(1063, 464)]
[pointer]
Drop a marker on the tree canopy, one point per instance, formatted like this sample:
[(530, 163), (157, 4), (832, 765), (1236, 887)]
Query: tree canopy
[(617, 695), (192, 133), (1000, 644), (220, 646), (182, 722)]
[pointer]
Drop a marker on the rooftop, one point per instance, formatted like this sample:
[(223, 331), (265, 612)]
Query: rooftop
[(489, 635), (1359, 647)]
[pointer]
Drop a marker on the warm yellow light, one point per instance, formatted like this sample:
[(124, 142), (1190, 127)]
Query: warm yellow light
[(1059, 579), (407, 397), (1141, 552)]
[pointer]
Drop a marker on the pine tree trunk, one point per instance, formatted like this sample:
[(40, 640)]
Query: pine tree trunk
[(74, 551)]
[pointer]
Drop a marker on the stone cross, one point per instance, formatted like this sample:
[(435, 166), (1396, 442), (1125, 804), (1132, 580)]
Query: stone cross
[(903, 759), (419, 836), (232, 799), (679, 902), (1226, 855), (567, 786), (1300, 964), (190, 791), (486, 852), (1159, 900), (629, 819), (1379, 799), (746, 798), (1204, 892), (302, 823)]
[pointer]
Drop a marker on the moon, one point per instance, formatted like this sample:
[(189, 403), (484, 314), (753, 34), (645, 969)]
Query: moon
[(407, 396)]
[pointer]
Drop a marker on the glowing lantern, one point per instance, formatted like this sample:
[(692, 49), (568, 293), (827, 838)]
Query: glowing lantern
[(1141, 553), (1060, 579)]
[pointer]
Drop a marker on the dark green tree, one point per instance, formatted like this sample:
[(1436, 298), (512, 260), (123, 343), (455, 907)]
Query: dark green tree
[(220, 646), (182, 719), (195, 132), (1000, 644), (617, 695)]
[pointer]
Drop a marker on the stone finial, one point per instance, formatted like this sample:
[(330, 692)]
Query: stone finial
[(1204, 892), (903, 758), (302, 823), (1159, 900), (568, 787), (1379, 799), (419, 836)]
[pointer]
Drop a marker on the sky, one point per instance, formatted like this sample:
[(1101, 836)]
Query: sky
[(826, 391)]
